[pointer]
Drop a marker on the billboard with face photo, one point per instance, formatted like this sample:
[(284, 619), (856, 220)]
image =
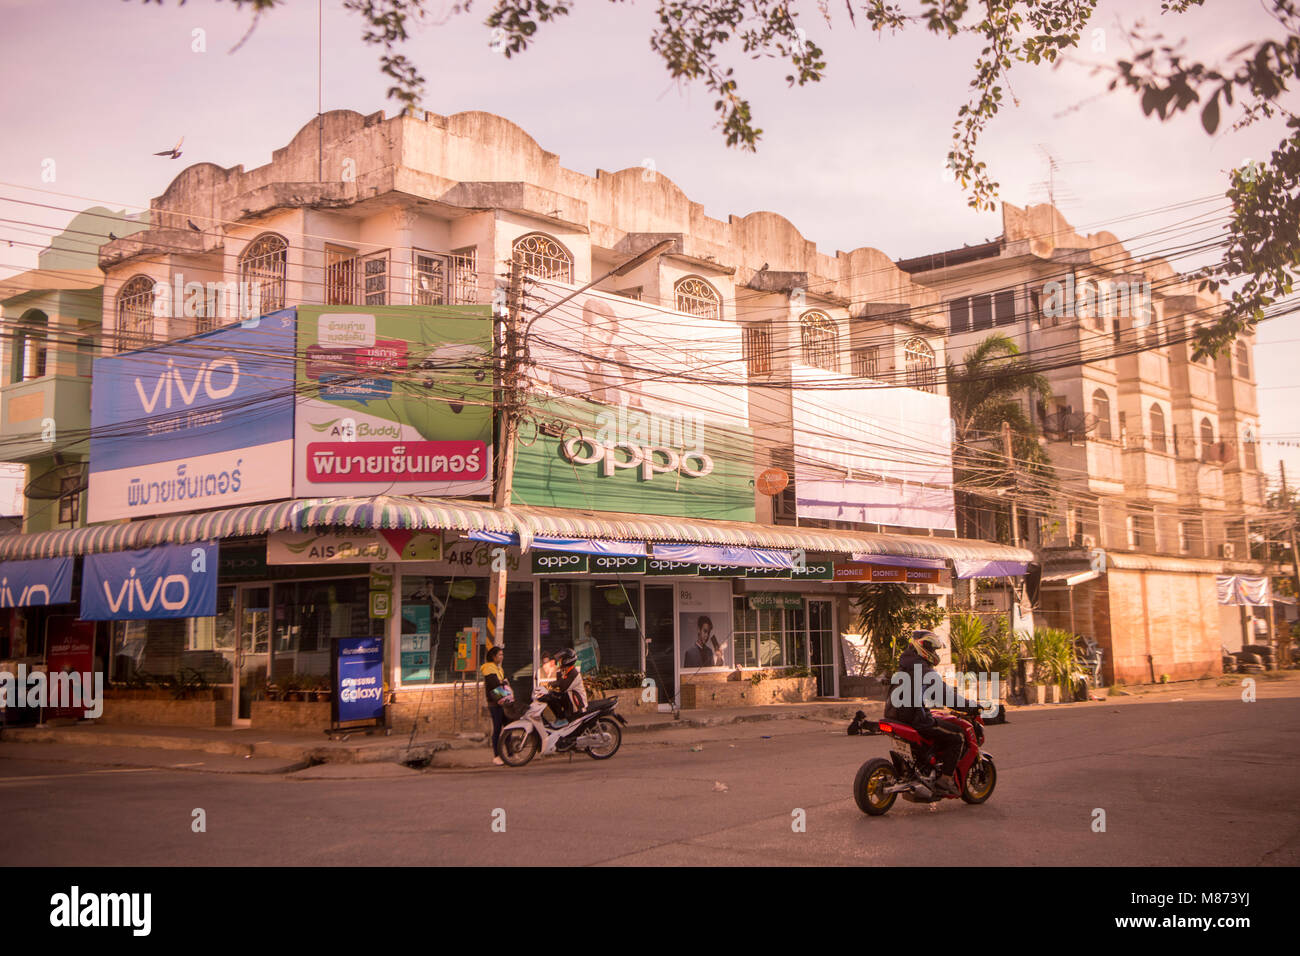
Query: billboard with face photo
[(637, 409), (704, 625)]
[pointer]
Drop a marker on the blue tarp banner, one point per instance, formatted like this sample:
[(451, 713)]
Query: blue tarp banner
[(621, 549), (169, 581), (32, 583), (724, 555), (990, 569)]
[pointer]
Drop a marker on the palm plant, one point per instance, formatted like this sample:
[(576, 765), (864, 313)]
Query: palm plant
[(887, 614), (968, 640), (984, 391), (1055, 654)]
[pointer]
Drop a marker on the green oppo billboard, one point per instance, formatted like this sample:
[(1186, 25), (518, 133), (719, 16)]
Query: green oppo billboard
[(574, 453)]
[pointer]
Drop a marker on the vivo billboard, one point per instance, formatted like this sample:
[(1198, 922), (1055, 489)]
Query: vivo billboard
[(203, 422), (163, 582)]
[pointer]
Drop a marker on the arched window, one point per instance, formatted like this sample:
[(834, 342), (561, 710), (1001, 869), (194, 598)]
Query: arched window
[(694, 296), (1159, 441), (543, 257), (1207, 440), (1243, 360), (135, 312), (1101, 410), (262, 268), (819, 340), (30, 348), (918, 362)]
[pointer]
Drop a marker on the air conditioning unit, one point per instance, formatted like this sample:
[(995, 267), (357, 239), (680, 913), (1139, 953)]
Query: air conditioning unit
[(1227, 550)]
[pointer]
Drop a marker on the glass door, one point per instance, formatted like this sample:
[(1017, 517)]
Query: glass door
[(660, 658), (253, 653), (821, 646)]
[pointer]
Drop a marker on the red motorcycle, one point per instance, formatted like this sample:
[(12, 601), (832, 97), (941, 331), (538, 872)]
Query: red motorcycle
[(880, 782)]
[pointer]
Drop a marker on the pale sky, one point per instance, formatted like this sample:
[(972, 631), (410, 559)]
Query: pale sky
[(854, 161)]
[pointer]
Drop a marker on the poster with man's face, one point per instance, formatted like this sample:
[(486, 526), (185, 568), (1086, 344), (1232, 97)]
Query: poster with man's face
[(704, 625)]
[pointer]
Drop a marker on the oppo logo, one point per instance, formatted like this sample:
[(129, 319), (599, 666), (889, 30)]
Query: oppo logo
[(650, 461), (172, 592), (617, 563), (172, 385), (557, 560)]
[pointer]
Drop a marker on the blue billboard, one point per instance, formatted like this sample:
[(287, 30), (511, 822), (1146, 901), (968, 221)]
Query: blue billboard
[(359, 679), (31, 583), (174, 580), (198, 423)]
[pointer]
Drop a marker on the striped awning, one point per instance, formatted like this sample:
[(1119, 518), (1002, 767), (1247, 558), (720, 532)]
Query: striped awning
[(418, 514)]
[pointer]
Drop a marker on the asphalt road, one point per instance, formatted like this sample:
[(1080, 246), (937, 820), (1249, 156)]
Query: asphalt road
[(1187, 782)]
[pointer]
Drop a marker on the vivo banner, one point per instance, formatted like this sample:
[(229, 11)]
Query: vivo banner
[(198, 423), (168, 581), (32, 583)]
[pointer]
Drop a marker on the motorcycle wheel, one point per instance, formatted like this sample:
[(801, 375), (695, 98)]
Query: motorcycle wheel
[(518, 747), (869, 786), (607, 725), (980, 781)]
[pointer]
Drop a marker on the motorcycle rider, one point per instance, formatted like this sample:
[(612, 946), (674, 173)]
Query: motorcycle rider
[(568, 695), (918, 659)]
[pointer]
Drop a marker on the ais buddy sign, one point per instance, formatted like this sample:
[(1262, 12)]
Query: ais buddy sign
[(397, 398)]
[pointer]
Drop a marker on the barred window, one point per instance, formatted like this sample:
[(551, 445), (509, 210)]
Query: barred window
[(918, 359), (262, 267), (1159, 439), (819, 338), (866, 361), (135, 313), (464, 276), (430, 279), (757, 344), (696, 297), (543, 257)]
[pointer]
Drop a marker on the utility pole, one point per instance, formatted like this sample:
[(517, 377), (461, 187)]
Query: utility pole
[(1011, 466), (508, 395), (1295, 555)]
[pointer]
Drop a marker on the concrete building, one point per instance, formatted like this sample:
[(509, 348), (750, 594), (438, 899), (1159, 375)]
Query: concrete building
[(1156, 454)]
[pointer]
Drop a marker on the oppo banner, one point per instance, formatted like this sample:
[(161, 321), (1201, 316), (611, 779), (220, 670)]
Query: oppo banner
[(168, 581)]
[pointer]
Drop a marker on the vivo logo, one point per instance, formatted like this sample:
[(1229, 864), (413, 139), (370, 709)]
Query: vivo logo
[(171, 385), (26, 597), (164, 591)]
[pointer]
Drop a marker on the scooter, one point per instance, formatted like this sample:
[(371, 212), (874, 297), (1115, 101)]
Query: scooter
[(597, 732)]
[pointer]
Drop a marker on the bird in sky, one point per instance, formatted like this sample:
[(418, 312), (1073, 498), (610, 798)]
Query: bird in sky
[(174, 152)]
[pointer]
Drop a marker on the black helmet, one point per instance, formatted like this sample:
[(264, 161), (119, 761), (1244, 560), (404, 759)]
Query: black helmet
[(566, 658), (928, 644)]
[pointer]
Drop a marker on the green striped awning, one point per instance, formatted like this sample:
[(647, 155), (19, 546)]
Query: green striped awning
[(418, 514)]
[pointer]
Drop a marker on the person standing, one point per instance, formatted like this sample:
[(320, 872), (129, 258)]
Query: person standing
[(498, 693)]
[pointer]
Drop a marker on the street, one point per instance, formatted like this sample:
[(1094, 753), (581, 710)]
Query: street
[(1202, 780)]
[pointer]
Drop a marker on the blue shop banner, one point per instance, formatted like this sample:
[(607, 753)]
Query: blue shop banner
[(359, 678), (169, 581), (33, 583)]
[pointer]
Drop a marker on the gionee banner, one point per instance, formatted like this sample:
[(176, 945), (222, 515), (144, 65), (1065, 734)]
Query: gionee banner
[(590, 462), (394, 399), (358, 547)]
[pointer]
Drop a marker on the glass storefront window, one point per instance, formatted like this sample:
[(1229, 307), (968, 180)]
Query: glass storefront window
[(308, 615), (436, 609), (769, 637), (182, 648), (600, 620)]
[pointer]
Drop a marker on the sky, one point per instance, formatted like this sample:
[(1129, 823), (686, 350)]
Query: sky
[(857, 160)]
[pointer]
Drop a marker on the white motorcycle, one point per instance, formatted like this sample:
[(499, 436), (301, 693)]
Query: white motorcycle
[(595, 732)]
